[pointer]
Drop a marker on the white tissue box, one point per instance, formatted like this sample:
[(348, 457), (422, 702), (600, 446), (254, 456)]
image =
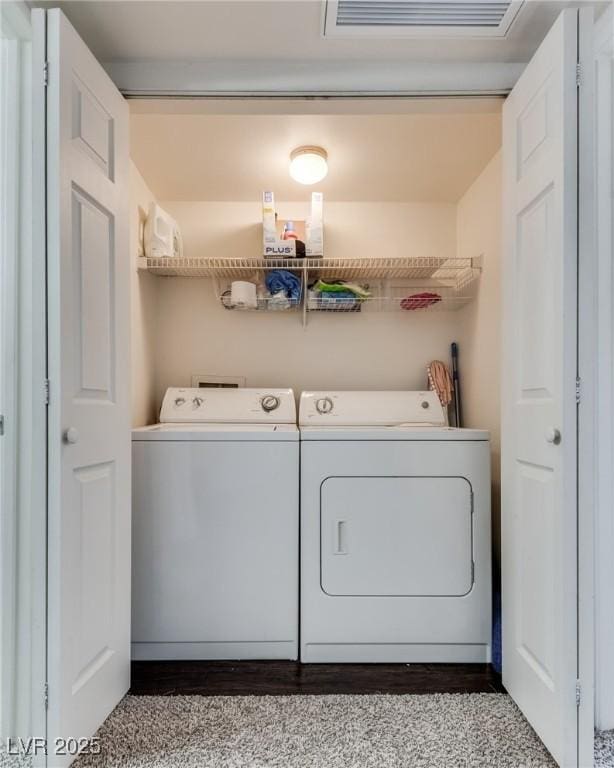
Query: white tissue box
[(314, 243), (269, 225)]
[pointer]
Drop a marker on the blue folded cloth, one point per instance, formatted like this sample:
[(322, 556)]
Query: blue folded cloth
[(281, 280)]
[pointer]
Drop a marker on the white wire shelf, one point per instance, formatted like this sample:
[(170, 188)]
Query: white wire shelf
[(222, 268), (263, 304), (383, 298), (401, 284), (394, 268), (393, 298), (450, 271)]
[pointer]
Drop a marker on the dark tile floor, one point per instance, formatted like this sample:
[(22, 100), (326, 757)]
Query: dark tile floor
[(243, 678)]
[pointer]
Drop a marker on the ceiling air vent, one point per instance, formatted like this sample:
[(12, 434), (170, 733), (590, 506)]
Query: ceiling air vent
[(413, 18)]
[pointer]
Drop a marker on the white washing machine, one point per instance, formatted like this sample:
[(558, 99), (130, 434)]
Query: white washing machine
[(215, 527), (395, 531)]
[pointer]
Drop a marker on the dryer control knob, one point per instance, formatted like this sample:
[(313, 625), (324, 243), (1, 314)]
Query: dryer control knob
[(425, 403), (324, 405), (269, 403), (179, 401), (197, 402)]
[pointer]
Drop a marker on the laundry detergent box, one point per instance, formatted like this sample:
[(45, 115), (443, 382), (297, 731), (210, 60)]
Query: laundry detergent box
[(280, 249), (280, 236), (272, 244), (314, 243)]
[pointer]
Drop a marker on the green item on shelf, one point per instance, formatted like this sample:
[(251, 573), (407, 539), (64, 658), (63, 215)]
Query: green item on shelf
[(340, 286)]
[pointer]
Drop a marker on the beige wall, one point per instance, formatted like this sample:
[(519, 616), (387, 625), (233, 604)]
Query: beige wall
[(143, 311), (479, 232), (179, 327), (351, 228), (371, 350)]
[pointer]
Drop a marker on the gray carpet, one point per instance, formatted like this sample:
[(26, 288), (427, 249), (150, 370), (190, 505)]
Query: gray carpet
[(14, 761), (435, 731), (604, 749), (321, 731)]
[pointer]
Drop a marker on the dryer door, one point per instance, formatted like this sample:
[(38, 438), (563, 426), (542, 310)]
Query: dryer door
[(396, 536)]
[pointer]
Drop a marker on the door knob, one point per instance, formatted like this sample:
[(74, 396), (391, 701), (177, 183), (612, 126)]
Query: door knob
[(553, 436), (71, 435)]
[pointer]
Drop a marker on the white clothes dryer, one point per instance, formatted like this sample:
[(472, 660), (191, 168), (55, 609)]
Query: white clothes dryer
[(395, 531)]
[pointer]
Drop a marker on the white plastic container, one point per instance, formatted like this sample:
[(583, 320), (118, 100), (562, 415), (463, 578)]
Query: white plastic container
[(162, 236), (269, 224), (315, 226), (243, 295)]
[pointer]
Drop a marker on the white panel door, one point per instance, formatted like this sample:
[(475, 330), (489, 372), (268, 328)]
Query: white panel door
[(603, 68), (89, 420), (539, 441)]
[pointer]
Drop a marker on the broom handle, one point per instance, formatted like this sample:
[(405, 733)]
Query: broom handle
[(456, 384)]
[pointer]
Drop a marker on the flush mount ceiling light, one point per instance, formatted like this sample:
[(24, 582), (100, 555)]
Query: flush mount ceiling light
[(308, 165)]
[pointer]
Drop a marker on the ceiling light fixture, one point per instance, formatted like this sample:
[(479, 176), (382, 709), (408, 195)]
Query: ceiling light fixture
[(308, 165)]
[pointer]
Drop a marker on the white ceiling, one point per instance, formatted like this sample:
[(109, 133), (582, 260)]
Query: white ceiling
[(421, 150), (273, 29)]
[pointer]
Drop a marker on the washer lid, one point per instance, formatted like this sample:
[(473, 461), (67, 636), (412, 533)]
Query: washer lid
[(382, 409), (399, 433), (193, 405), (175, 432)]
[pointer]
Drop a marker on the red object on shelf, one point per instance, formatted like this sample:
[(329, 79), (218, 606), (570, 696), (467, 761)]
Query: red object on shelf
[(420, 300)]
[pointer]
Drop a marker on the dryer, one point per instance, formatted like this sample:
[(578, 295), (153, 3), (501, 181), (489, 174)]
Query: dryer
[(395, 531), (215, 527)]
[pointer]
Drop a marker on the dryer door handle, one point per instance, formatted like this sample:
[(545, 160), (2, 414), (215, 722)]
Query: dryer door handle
[(340, 538)]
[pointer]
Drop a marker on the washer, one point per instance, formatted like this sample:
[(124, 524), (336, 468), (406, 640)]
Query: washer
[(395, 531), (215, 527)]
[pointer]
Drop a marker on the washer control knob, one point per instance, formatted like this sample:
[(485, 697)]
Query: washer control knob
[(425, 403), (269, 403), (197, 402), (179, 401), (324, 405)]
